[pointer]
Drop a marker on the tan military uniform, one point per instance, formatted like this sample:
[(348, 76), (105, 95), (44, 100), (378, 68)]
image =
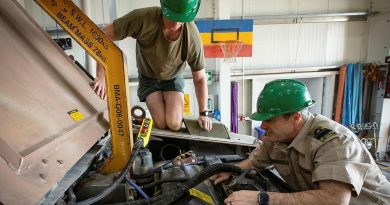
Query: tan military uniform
[(157, 57), (326, 150)]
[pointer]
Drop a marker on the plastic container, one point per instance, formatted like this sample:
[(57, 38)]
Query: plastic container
[(143, 164), (260, 133), (217, 115)]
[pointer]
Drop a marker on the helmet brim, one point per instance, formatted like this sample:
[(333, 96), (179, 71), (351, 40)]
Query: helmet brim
[(179, 17), (261, 116), (266, 116)]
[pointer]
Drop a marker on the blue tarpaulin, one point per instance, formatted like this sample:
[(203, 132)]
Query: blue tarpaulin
[(353, 92)]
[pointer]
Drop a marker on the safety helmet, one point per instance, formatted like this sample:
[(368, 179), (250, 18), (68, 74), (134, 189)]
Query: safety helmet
[(180, 10), (281, 97)]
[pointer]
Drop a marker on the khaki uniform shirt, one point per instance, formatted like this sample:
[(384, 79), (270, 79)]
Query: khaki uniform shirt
[(326, 150), (157, 57)]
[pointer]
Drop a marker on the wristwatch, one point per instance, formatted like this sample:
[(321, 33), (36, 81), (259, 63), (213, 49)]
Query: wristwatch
[(204, 113), (263, 198)]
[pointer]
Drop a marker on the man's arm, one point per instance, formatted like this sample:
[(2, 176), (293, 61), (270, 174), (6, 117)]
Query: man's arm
[(200, 82), (109, 31), (329, 192), (245, 164), (99, 84)]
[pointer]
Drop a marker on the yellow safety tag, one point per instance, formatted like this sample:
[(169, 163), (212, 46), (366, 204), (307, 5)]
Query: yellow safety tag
[(204, 197), (76, 115), (187, 105)]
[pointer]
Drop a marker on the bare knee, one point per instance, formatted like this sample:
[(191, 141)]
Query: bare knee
[(174, 124), (160, 123)]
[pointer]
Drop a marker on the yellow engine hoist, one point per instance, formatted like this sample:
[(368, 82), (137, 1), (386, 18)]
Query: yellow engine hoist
[(105, 52)]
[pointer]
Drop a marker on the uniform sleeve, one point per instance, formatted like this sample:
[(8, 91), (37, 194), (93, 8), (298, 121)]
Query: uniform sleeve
[(196, 53), (140, 24), (128, 25), (342, 159), (259, 157)]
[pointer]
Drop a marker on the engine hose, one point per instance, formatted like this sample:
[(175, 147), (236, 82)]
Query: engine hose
[(158, 182), (195, 180), (162, 166), (170, 165), (109, 189), (136, 187)]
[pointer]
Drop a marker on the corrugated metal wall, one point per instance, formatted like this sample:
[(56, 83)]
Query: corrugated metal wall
[(305, 45), (283, 45), (275, 45)]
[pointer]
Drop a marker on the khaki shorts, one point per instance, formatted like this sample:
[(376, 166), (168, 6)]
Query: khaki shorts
[(148, 86)]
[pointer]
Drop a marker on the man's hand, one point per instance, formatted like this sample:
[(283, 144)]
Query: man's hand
[(329, 192), (243, 198), (99, 86), (205, 123), (220, 177)]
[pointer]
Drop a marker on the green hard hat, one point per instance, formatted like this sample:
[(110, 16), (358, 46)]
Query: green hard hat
[(281, 97), (180, 10)]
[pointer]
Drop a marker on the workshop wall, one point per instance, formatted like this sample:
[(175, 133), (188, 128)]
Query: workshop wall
[(275, 45), (378, 49), (282, 45)]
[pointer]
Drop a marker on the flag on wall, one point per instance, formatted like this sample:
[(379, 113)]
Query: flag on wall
[(214, 32)]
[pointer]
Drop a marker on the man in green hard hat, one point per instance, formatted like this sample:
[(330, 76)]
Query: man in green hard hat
[(167, 39), (324, 161)]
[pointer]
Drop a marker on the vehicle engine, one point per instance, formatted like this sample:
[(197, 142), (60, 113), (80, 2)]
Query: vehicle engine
[(170, 179)]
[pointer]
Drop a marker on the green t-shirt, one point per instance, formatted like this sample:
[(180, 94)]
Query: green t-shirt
[(157, 57)]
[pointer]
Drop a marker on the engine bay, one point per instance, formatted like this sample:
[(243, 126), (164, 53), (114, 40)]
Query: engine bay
[(167, 172)]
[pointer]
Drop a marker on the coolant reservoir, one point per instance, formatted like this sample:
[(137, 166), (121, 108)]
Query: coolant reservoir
[(143, 164)]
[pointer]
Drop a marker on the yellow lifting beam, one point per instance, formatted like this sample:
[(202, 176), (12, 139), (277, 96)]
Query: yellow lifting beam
[(104, 51)]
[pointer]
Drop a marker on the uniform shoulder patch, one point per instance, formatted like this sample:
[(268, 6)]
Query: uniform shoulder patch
[(322, 134)]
